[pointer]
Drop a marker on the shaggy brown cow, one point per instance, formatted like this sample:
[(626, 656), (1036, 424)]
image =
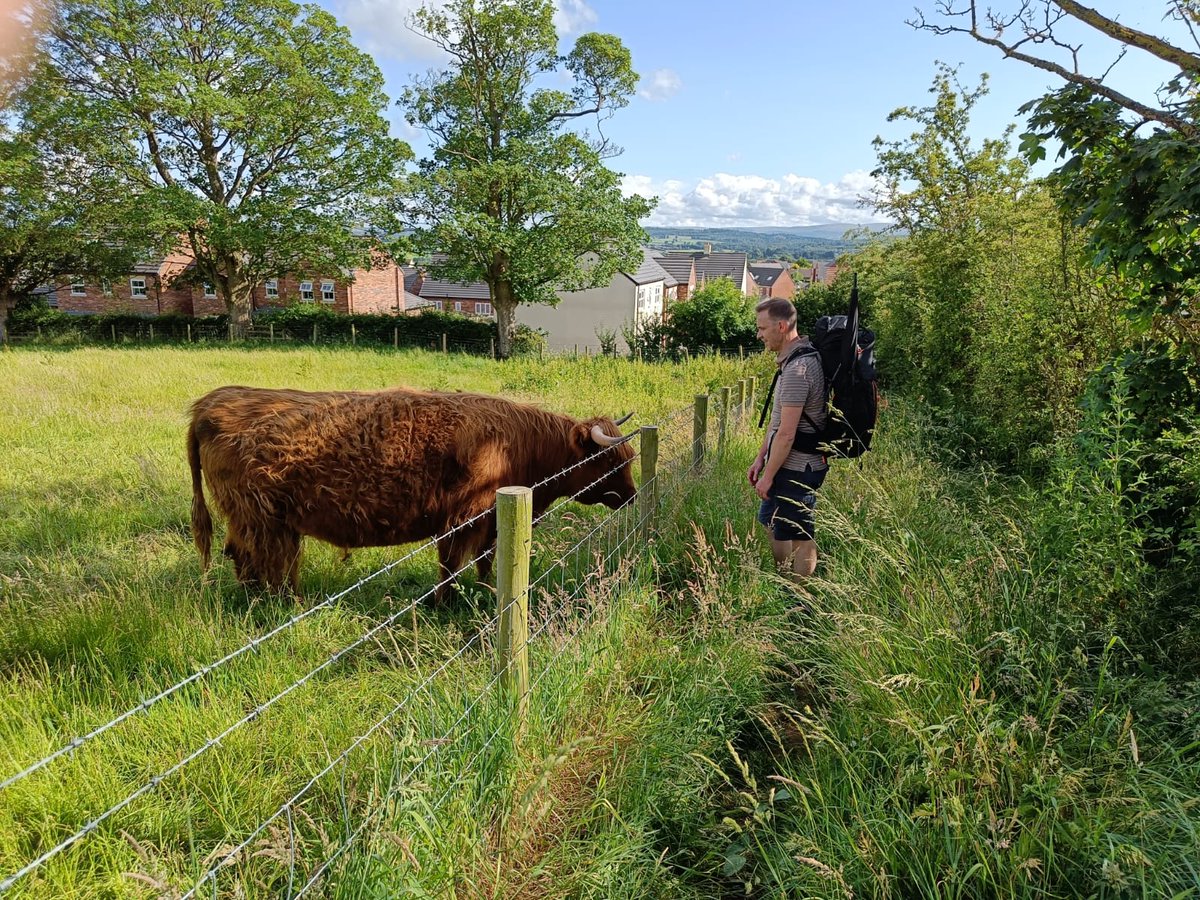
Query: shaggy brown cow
[(370, 469)]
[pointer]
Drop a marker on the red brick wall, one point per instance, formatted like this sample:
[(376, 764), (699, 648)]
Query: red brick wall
[(377, 290), (159, 300), (784, 286)]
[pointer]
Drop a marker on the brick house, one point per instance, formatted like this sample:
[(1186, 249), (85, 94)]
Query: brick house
[(820, 273), (711, 266), (168, 284), (469, 298), (683, 270), (773, 279)]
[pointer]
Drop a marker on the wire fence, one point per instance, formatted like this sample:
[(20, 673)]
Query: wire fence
[(408, 333), (419, 751)]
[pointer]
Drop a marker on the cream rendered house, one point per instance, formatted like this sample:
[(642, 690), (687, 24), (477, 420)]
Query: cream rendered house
[(630, 298)]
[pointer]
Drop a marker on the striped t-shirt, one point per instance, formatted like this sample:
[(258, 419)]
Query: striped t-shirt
[(801, 383)]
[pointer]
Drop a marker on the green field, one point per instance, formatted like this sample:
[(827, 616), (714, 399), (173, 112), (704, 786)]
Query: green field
[(104, 605), (938, 714)]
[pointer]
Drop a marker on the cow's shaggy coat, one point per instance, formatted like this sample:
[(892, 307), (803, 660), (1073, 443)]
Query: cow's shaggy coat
[(368, 469)]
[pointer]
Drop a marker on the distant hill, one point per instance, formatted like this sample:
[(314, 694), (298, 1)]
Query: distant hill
[(814, 242)]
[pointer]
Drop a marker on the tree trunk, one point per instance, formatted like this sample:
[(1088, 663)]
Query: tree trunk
[(506, 317), (238, 297), (3, 321)]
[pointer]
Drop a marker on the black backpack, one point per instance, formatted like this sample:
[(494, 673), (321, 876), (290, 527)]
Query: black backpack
[(851, 385)]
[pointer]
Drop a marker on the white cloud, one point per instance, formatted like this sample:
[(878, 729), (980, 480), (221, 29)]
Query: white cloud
[(755, 201), (380, 26), (661, 84), (573, 16)]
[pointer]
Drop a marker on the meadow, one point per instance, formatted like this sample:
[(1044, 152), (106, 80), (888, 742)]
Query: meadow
[(937, 713)]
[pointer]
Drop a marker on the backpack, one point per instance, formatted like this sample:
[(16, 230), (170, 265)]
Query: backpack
[(851, 385)]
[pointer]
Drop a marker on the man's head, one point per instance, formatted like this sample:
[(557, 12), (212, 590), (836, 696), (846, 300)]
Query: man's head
[(776, 323)]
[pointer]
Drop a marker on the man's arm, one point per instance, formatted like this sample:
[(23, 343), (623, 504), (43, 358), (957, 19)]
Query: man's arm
[(789, 420), (759, 459)]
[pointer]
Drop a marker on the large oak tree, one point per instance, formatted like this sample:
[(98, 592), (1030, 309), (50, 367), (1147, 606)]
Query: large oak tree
[(255, 126), (513, 195)]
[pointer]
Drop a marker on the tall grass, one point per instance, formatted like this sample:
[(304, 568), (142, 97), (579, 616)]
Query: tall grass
[(960, 717)]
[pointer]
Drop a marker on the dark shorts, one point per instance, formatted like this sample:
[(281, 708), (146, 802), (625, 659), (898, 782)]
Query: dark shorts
[(788, 512)]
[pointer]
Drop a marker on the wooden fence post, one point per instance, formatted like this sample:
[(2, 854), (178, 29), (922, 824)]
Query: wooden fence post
[(114, 332), (751, 392), (514, 544), (396, 338), (231, 332), (739, 400), (353, 335), (648, 491), (271, 325), (723, 419), (314, 334), (699, 428), (445, 344), (189, 328), (151, 332), (493, 340), (741, 351)]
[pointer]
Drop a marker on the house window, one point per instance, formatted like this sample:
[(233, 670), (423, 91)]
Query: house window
[(482, 308), (437, 304), (44, 290), (137, 287), (458, 306), (209, 290), (106, 287), (272, 288), (326, 291), (306, 292), (78, 289)]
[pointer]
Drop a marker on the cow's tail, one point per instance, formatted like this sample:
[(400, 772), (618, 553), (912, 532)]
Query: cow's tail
[(201, 520)]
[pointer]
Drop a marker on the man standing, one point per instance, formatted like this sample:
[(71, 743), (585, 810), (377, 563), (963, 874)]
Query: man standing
[(785, 478)]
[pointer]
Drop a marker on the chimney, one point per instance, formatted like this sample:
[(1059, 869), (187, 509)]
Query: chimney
[(708, 248)]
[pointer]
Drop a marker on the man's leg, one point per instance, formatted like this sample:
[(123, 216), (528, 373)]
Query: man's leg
[(804, 561), (783, 553)]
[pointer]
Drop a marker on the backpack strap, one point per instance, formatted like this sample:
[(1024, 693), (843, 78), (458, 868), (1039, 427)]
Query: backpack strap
[(798, 352)]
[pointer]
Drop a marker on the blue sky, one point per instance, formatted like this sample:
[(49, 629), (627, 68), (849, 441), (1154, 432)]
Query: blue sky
[(762, 112)]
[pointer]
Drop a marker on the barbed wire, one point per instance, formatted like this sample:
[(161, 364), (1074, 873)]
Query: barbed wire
[(253, 645), (358, 742), (156, 780)]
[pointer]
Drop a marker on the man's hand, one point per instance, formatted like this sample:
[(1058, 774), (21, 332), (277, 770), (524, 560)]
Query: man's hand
[(763, 487), (754, 470)]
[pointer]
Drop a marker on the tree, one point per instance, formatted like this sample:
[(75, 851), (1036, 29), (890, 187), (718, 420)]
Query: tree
[(511, 196), (254, 126), (939, 189), (717, 315), (1130, 164)]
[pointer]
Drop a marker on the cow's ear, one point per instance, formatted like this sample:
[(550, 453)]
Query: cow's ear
[(581, 437)]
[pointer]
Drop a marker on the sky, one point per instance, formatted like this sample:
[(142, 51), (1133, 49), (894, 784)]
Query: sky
[(763, 112)]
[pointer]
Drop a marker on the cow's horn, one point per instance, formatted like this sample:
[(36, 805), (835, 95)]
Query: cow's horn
[(621, 421), (607, 440)]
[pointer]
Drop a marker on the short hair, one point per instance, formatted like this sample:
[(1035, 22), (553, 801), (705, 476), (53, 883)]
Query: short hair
[(779, 309)]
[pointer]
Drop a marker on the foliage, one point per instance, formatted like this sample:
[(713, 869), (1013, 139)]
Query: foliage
[(608, 340), (986, 306), (648, 340), (255, 128), (716, 316), (1138, 195), (61, 215), (510, 195)]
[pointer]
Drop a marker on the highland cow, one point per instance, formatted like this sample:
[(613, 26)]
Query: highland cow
[(369, 469)]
